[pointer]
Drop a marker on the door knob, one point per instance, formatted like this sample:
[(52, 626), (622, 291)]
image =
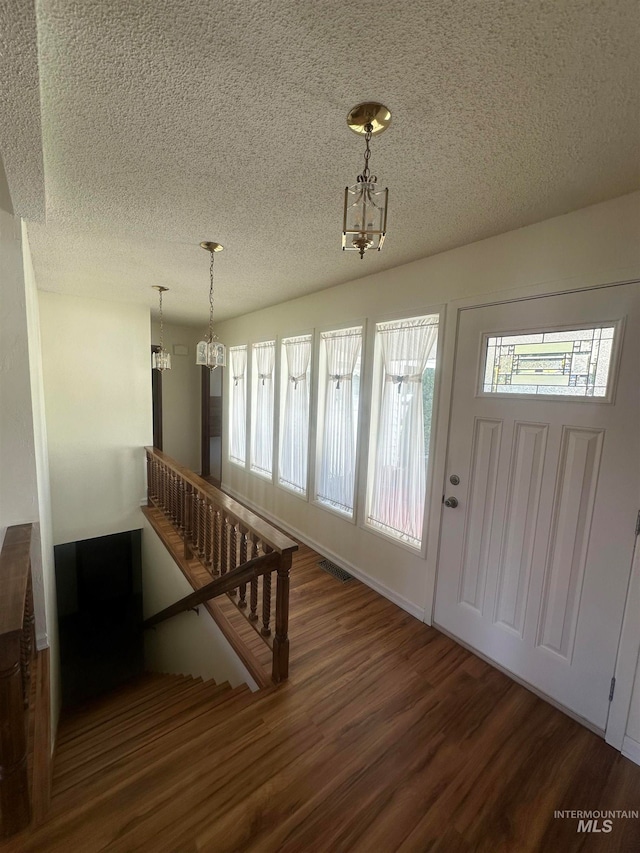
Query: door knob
[(451, 502)]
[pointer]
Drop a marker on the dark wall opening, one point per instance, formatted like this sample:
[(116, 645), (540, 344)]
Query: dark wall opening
[(99, 588)]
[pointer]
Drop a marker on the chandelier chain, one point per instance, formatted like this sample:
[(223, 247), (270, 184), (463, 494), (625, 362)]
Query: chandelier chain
[(366, 175), (211, 299), (161, 325)]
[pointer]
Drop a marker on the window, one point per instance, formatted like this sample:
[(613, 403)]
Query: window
[(264, 356), (570, 363), (294, 432), (339, 394), (238, 405), (405, 355)]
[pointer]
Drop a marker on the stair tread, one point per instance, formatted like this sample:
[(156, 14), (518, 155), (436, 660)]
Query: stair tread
[(146, 717), (133, 685), (199, 721), (107, 706), (129, 691), (148, 712), (120, 716)]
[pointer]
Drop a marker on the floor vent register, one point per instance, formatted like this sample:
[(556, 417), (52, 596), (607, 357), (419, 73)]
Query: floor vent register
[(334, 570)]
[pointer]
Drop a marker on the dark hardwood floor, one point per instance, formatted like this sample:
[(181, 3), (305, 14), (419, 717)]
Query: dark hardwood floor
[(387, 737)]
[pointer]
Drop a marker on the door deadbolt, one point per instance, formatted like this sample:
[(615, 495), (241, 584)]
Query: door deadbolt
[(454, 480), (451, 502)]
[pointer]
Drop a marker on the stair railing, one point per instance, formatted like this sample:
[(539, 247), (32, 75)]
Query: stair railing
[(17, 648), (235, 546)]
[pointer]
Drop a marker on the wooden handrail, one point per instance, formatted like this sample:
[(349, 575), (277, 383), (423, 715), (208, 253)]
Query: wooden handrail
[(16, 651), (269, 535), (232, 580), (223, 535)]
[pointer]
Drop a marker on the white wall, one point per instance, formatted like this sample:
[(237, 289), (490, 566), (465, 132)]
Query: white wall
[(187, 644), (181, 394), (594, 245), (97, 389)]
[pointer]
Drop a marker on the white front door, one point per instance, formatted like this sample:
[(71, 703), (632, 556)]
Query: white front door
[(545, 440)]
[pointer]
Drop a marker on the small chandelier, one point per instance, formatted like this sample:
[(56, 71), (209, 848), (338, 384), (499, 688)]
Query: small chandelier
[(365, 207), (210, 353), (161, 360)]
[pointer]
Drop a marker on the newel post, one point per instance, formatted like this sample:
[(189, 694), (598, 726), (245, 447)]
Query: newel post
[(14, 784), (281, 640)]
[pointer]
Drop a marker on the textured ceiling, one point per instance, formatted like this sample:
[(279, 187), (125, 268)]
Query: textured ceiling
[(130, 131)]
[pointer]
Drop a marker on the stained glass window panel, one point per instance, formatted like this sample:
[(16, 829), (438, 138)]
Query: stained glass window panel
[(570, 363)]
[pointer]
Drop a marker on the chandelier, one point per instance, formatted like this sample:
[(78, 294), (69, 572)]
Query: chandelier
[(161, 360), (365, 206), (210, 353)]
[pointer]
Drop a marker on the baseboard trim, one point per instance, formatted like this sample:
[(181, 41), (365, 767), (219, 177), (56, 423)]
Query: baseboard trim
[(336, 558), (631, 749)]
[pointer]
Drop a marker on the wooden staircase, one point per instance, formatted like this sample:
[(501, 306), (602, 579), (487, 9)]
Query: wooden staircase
[(116, 756), (132, 727), (224, 550)]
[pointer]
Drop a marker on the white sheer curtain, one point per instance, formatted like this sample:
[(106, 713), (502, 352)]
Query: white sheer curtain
[(337, 464), (264, 356), (294, 442), (399, 481), (238, 407)]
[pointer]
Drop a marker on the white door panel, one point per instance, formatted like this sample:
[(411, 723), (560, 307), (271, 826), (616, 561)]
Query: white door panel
[(535, 559)]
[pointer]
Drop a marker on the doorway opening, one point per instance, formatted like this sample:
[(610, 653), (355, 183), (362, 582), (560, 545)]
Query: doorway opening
[(211, 429), (156, 401)]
